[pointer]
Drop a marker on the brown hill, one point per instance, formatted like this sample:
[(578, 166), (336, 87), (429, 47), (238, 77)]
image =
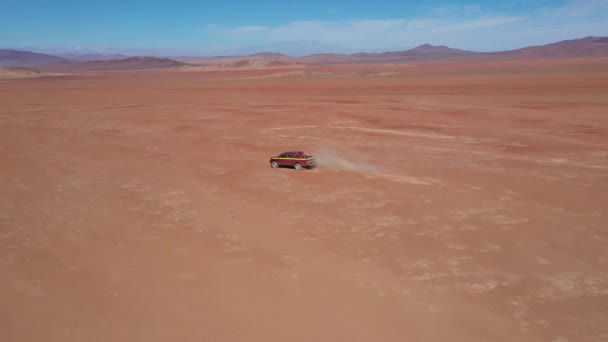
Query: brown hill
[(132, 63), (258, 64), (224, 60), (15, 58), (270, 56)]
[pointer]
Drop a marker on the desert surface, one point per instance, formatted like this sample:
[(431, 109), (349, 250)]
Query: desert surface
[(452, 202)]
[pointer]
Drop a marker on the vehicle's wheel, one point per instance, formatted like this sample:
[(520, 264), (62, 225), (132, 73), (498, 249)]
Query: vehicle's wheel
[(298, 166), (274, 165)]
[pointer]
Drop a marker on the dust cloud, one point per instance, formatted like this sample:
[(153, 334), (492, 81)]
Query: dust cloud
[(339, 160)]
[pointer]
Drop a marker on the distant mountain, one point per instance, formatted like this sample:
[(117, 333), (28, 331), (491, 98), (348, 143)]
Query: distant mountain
[(583, 47), (15, 58), (420, 53), (424, 50), (577, 48), (132, 63), (91, 57)]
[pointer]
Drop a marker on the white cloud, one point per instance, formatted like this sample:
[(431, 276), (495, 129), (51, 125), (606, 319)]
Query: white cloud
[(366, 34), (476, 24), (578, 8), (466, 27), (465, 11)]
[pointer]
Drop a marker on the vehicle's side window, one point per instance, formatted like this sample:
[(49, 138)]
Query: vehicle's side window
[(289, 155), (284, 155)]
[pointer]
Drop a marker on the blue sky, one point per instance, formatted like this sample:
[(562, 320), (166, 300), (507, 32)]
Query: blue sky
[(240, 26)]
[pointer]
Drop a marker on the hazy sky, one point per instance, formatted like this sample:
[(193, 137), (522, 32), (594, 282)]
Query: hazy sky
[(294, 27)]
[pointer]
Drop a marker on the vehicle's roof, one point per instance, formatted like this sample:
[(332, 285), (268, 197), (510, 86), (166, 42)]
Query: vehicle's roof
[(293, 152)]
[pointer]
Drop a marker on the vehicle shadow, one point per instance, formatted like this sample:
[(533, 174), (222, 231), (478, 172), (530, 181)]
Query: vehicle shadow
[(293, 168)]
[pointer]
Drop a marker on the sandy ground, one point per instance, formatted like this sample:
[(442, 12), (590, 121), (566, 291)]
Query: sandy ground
[(454, 202)]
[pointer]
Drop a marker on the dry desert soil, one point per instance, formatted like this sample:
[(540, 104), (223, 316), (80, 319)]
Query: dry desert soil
[(453, 202)]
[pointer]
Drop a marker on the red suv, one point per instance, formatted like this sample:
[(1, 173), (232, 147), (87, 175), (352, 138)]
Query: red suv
[(296, 159)]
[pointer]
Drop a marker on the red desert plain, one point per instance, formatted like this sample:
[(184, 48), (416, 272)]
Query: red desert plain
[(453, 202)]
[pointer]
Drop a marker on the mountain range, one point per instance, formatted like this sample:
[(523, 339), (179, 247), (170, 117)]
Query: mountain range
[(577, 48)]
